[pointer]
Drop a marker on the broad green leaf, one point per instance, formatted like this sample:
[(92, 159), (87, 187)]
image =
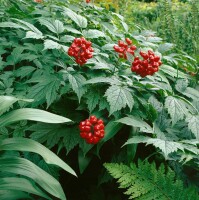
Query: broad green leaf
[(55, 26), (93, 33), (108, 47), (77, 82), (13, 195), (193, 124), (156, 104), (78, 19), (83, 161), (7, 101), (21, 184), (165, 47), (24, 144), (191, 93), (72, 30), (119, 97), (31, 34), (31, 114), (135, 122), (26, 168), (181, 85), (176, 109), (16, 56)]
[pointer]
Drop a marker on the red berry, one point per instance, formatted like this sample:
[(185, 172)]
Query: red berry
[(100, 121), (128, 41), (93, 119)]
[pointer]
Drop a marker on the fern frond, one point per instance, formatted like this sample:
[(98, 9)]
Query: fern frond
[(145, 182)]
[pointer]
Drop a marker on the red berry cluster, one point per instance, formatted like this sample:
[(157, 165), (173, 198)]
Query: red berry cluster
[(81, 50), (92, 130), (88, 1), (38, 1), (148, 66), (123, 47)]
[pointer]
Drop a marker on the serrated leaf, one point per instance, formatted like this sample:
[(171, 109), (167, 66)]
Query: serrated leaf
[(165, 47), (51, 134), (108, 47), (193, 124), (135, 122), (119, 97), (156, 104), (77, 82), (50, 44), (31, 34), (16, 56), (175, 108), (29, 26), (13, 25), (165, 146), (93, 99), (181, 85), (72, 30), (71, 139), (45, 89), (55, 26), (112, 80), (93, 33), (78, 19)]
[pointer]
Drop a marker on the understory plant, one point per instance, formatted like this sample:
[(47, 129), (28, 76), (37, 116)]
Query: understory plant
[(119, 89)]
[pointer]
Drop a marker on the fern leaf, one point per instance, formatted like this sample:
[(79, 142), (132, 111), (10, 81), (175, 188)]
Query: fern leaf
[(145, 182)]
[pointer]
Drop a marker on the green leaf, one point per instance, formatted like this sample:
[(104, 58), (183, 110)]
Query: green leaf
[(93, 33), (31, 34), (78, 19), (54, 26), (31, 114), (29, 26), (13, 25), (71, 139), (77, 82), (93, 99), (45, 89), (193, 124), (110, 80), (49, 133), (24, 144), (7, 101), (26, 168), (21, 184), (175, 108), (50, 44), (119, 97), (135, 122), (16, 56), (181, 85), (165, 146), (13, 195)]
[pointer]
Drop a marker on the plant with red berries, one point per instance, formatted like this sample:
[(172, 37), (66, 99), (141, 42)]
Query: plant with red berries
[(81, 50), (92, 130), (125, 47), (148, 66), (88, 1)]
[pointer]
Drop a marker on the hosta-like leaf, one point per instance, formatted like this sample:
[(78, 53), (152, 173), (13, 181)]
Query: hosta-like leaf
[(24, 144), (21, 184), (78, 19), (55, 26), (119, 97), (26, 168), (93, 33), (31, 114), (193, 124), (77, 81), (176, 109)]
